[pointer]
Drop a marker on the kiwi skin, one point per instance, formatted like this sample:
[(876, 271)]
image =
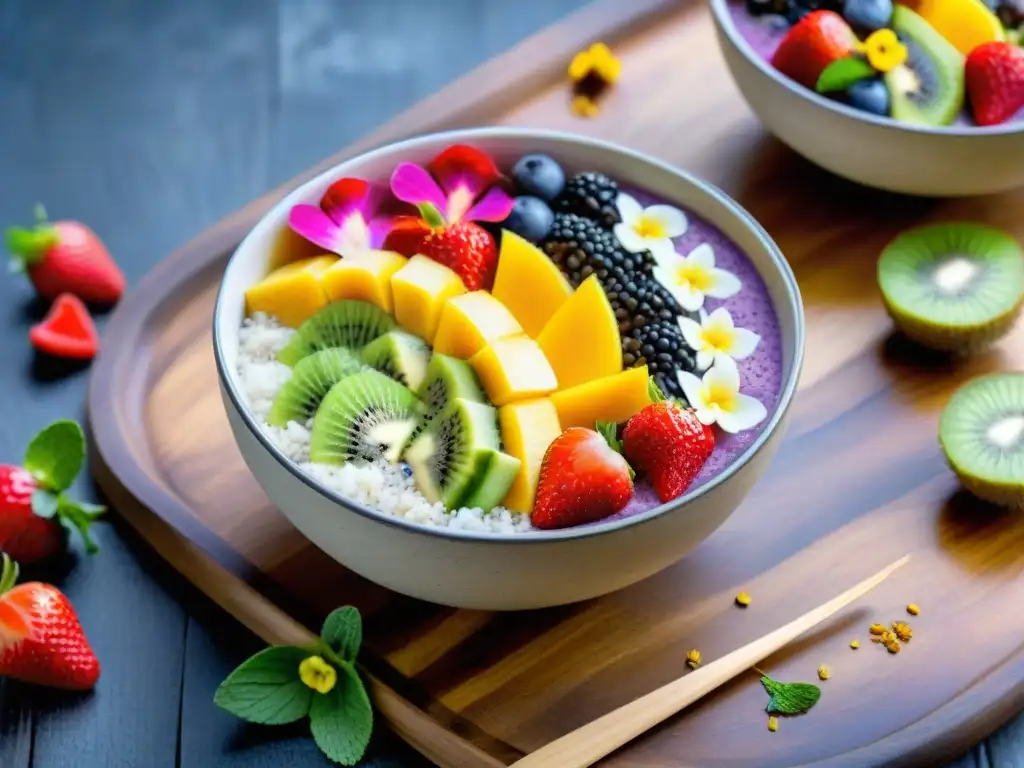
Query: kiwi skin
[(959, 341)]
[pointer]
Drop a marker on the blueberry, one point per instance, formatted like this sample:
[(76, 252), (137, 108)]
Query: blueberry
[(531, 218), (867, 15), (759, 7), (869, 95), (539, 175)]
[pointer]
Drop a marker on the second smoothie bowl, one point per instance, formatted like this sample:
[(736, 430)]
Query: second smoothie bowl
[(505, 368)]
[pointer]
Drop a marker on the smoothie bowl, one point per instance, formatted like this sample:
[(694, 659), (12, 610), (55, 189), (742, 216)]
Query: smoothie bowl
[(921, 97), (520, 369)]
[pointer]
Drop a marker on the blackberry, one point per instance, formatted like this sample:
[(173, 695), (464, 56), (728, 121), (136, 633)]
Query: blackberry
[(661, 346), (638, 302), (580, 247), (592, 195)]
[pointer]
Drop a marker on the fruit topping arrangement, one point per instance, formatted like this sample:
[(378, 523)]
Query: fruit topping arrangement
[(525, 342), (925, 62)]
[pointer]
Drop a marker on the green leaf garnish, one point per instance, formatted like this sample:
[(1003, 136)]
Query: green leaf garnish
[(44, 503), (431, 215), (55, 456), (654, 391), (266, 688), (790, 698), (842, 73), (343, 632), (342, 720)]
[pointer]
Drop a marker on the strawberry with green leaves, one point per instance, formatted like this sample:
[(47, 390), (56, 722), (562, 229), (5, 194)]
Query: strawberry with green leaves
[(35, 513), (814, 42), (583, 478), (457, 188), (65, 257), (668, 443), (41, 638)]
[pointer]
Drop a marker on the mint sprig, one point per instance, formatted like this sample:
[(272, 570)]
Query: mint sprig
[(789, 698), (270, 689), (55, 456)]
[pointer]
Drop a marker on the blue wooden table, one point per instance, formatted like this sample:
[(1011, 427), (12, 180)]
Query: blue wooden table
[(150, 120)]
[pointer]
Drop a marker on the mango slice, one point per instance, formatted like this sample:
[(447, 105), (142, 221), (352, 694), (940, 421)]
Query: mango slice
[(292, 293), (420, 290), (366, 277), (470, 321), (528, 283), (614, 398), (513, 368), (527, 429), (964, 23), (581, 340)]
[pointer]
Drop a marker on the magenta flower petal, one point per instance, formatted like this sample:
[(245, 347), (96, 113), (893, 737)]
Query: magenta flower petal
[(345, 197), (496, 205), (411, 183), (464, 173), (316, 226), (380, 226)]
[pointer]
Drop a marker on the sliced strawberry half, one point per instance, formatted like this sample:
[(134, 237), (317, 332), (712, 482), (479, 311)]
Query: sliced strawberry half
[(67, 330)]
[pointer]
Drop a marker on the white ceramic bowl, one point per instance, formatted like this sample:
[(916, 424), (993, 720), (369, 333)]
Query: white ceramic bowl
[(875, 151), (514, 571)]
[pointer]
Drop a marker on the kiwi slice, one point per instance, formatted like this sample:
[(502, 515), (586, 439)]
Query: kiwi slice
[(455, 459), (447, 379), (953, 287), (928, 88), (347, 323), (982, 435), (364, 416), (400, 355), (311, 379)]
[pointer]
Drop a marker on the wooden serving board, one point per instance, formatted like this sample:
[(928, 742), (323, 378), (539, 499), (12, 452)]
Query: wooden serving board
[(859, 481)]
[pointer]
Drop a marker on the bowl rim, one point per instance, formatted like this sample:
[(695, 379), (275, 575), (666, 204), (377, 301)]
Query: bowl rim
[(467, 135), (723, 19)]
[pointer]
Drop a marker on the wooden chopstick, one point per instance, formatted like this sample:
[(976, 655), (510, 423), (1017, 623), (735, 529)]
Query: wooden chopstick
[(599, 738)]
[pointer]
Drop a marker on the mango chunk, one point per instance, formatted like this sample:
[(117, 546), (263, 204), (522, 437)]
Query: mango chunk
[(614, 398), (366, 277), (513, 368), (470, 321), (527, 429), (581, 340), (528, 283), (292, 293), (420, 290), (964, 23)]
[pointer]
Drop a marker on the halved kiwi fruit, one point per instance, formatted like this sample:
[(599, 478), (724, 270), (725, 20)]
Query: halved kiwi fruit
[(347, 323), (455, 459), (447, 379), (982, 435), (400, 355), (365, 416), (954, 287), (311, 379), (927, 89)]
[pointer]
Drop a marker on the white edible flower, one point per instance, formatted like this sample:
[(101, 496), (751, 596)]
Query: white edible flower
[(648, 229), (691, 278), (716, 398), (715, 336)]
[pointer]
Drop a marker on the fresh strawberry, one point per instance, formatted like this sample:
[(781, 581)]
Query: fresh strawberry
[(66, 257), (67, 330), (41, 638), (582, 479), (813, 43), (669, 444), (464, 247), (34, 513), (994, 75)]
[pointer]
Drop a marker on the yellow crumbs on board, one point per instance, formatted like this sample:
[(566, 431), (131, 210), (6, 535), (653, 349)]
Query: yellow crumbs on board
[(743, 599), (855, 644), (824, 672), (693, 658), (913, 610), (773, 723)]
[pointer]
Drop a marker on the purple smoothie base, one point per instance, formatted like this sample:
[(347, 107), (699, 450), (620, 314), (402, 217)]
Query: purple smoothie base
[(764, 38), (760, 374)]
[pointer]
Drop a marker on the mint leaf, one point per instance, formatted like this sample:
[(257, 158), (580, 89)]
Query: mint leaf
[(55, 456), (266, 688), (343, 632), (44, 503), (790, 698), (342, 720), (841, 74)]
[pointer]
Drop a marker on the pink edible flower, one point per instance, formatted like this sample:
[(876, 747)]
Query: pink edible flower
[(349, 219)]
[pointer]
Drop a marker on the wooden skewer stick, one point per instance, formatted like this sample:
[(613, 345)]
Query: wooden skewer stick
[(599, 738)]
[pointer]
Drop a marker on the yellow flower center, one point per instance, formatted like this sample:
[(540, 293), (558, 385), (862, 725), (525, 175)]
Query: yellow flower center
[(718, 338), (318, 674), (721, 396), (884, 50), (648, 227), (693, 275)]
